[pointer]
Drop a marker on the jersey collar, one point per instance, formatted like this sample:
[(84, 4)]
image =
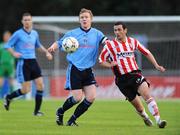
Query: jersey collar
[(26, 31), (85, 30)]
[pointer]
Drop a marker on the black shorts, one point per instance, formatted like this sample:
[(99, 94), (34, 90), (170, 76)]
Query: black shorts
[(77, 79), (27, 70), (129, 83)]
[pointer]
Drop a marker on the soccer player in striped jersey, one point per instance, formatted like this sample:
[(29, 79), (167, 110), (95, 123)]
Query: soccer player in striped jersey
[(80, 79), (22, 45), (118, 54)]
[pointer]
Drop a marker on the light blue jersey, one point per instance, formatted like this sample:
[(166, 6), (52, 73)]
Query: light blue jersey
[(25, 43), (87, 53)]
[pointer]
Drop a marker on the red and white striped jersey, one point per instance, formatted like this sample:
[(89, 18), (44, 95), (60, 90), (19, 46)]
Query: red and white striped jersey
[(123, 54)]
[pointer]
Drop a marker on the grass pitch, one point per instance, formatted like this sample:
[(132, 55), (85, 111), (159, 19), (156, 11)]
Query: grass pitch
[(105, 117)]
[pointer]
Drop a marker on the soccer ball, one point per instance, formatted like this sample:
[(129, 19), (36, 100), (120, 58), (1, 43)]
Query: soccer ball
[(70, 44)]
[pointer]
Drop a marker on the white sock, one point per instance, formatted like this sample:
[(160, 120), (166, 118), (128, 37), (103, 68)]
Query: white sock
[(157, 118), (143, 114), (153, 109)]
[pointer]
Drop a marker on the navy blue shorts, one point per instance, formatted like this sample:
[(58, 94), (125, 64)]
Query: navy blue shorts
[(76, 79), (129, 83), (27, 70)]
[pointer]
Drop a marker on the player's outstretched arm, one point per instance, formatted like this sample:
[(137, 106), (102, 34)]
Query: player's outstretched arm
[(151, 58), (53, 47), (48, 55)]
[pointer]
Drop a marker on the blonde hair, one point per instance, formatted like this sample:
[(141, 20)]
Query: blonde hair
[(84, 10)]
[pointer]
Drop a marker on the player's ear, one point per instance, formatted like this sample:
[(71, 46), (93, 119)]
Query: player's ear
[(126, 30)]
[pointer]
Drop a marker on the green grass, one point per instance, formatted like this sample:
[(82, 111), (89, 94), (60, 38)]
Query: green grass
[(105, 117)]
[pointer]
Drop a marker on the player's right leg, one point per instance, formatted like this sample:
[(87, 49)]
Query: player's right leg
[(76, 96), (74, 85), (23, 75), (90, 94), (26, 86), (136, 102)]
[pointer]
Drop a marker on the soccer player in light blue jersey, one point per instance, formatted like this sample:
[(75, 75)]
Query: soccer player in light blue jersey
[(22, 46), (79, 77)]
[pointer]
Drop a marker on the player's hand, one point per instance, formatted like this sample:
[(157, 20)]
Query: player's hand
[(51, 49), (113, 63), (17, 55), (160, 68), (49, 56)]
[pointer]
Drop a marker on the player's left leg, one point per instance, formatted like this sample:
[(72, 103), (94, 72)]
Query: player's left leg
[(90, 94), (136, 102), (39, 96), (151, 103)]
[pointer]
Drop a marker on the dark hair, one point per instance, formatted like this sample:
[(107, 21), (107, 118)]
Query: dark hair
[(26, 14), (121, 23)]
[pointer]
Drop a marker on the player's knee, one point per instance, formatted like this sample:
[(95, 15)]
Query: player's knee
[(78, 98), (40, 86), (25, 90), (91, 98)]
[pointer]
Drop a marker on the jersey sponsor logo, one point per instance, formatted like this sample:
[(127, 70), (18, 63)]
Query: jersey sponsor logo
[(29, 46), (86, 46), (125, 54)]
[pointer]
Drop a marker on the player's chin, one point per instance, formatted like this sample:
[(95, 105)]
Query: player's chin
[(49, 58), (85, 25)]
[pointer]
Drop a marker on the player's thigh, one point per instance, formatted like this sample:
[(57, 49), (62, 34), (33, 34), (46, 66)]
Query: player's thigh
[(39, 83), (143, 90), (73, 78), (26, 87), (77, 94), (90, 92), (136, 102)]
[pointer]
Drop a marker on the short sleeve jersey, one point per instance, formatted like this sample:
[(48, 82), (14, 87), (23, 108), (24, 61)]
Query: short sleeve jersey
[(25, 43), (87, 53)]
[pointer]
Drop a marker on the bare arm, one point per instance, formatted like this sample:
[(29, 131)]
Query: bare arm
[(53, 47), (151, 58), (48, 55)]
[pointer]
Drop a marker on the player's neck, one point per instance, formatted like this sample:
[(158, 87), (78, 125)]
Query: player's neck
[(27, 29), (85, 29), (121, 39)]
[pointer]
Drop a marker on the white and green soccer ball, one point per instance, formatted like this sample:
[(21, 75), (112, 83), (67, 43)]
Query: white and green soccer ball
[(70, 44)]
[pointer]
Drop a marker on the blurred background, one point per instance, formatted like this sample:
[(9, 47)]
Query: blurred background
[(154, 23)]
